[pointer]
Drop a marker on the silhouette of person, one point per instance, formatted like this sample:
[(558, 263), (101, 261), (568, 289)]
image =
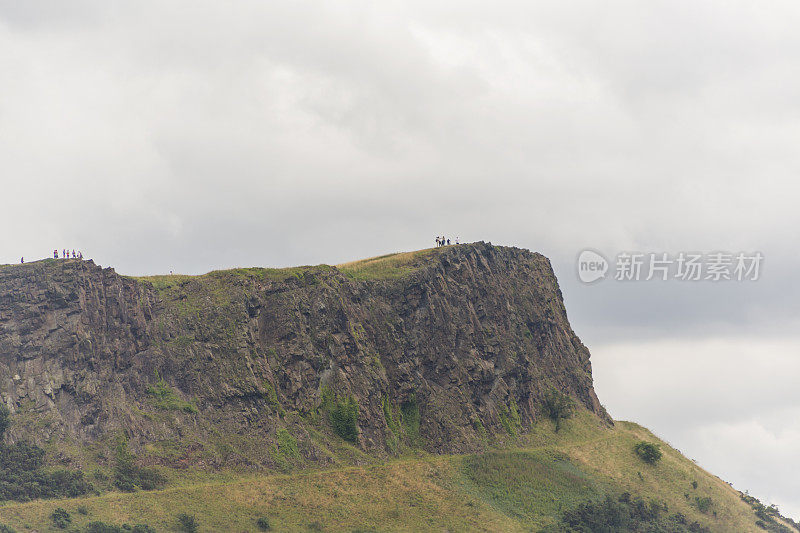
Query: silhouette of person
[(55, 254), (448, 242), (22, 260)]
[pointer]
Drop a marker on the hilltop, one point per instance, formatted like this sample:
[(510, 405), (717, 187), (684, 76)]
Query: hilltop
[(459, 337), (439, 369)]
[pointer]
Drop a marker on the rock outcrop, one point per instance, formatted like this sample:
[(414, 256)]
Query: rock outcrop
[(467, 339)]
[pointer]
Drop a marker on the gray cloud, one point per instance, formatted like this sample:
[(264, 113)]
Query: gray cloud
[(196, 135)]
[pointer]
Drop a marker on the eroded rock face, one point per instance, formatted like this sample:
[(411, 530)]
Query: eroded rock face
[(472, 331)]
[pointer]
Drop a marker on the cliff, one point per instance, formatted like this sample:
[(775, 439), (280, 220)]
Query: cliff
[(445, 349)]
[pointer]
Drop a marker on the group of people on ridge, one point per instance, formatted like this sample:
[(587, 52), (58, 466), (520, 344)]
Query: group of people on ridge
[(65, 254), (442, 241)]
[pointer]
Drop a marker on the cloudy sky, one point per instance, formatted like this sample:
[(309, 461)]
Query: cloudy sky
[(190, 136)]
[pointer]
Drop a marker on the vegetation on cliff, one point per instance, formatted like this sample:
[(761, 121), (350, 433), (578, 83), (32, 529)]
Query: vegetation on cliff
[(23, 476)]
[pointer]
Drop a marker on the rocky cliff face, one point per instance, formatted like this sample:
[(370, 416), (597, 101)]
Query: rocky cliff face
[(208, 369)]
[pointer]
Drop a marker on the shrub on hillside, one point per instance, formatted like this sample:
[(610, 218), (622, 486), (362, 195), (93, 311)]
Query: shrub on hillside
[(558, 406), (342, 414), (187, 523), (22, 477), (102, 527), (164, 397), (21, 457), (410, 418), (7, 529), (60, 518), (344, 418), (263, 524), (703, 504), (767, 515), (128, 475), (5, 419), (510, 419), (648, 452), (622, 515), (287, 445)]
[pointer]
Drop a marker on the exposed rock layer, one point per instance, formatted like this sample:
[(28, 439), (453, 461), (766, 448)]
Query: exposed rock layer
[(468, 333)]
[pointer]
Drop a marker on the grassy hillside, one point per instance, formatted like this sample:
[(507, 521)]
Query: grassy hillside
[(525, 488), (390, 266)]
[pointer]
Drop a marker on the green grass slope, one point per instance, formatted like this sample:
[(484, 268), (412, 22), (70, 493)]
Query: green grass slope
[(390, 266), (384, 267), (524, 488)]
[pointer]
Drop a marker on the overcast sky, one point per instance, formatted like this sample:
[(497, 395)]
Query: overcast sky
[(189, 136)]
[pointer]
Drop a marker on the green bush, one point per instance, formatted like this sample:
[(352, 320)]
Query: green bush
[(703, 504), (648, 452), (102, 527), (23, 478), (344, 418), (60, 518), (128, 475), (287, 445), (558, 406), (625, 514), (510, 419), (7, 529), (187, 523), (767, 515), (388, 415), (165, 398), (410, 417), (342, 415), (5, 419), (263, 524), (285, 452)]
